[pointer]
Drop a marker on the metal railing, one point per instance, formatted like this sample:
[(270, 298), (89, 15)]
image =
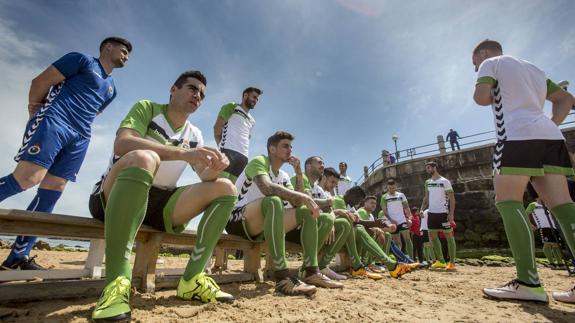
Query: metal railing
[(427, 150)]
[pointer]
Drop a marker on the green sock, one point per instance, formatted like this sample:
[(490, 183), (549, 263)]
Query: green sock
[(565, 215), (373, 248), (342, 231), (451, 249), (557, 254), (548, 251), (125, 211), (211, 226), (351, 246), (308, 236), (409, 247), (274, 233), (428, 252), (325, 223), (520, 240), (437, 249), (387, 244)]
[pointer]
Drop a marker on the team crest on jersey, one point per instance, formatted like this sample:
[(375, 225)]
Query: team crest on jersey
[(110, 90), (34, 149), (186, 144)]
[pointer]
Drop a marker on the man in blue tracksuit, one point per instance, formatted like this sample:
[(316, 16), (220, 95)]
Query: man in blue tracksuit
[(63, 102)]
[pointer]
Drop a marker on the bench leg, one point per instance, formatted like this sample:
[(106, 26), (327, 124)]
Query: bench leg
[(95, 258), (145, 263), (252, 262), (221, 262)]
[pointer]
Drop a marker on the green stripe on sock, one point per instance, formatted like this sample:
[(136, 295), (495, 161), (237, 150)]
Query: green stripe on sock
[(565, 215), (342, 231), (210, 228), (308, 236), (520, 240), (125, 211)]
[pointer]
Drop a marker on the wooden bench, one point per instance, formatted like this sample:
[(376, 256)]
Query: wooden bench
[(61, 283)]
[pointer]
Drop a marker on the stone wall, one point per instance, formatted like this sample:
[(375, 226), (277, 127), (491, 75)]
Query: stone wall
[(469, 170)]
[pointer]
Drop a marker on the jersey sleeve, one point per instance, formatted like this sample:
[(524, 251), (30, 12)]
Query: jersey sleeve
[(139, 117), (552, 87), (363, 214), (257, 166), (227, 110), (447, 186), (380, 215), (404, 200), (338, 203), (486, 73), (425, 186), (71, 63), (383, 202)]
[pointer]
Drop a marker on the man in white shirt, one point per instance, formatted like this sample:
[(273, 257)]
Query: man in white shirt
[(530, 147)]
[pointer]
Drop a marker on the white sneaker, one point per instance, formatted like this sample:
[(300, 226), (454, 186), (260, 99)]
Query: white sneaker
[(566, 297), (332, 274), (517, 291)]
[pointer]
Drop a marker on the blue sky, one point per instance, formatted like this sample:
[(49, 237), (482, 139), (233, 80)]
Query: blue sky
[(342, 75)]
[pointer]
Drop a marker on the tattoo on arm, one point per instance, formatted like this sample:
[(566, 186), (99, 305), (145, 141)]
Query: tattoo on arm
[(269, 189)]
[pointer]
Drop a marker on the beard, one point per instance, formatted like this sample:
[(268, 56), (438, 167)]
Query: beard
[(118, 63)]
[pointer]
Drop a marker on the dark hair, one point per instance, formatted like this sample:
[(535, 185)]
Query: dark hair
[(116, 41), (184, 77), (489, 45), (369, 197), (391, 181), (431, 163), (308, 161), (414, 209), (354, 195), (277, 137), (252, 89), (344, 163), (330, 171)]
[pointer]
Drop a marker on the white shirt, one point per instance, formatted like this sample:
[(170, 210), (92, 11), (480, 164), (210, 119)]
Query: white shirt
[(519, 95), (237, 131), (394, 204), (438, 194)]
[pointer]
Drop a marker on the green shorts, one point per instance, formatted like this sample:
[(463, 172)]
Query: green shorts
[(532, 158)]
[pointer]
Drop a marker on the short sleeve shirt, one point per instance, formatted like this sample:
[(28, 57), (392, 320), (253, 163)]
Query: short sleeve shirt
[(395, 205), (86, 91), (150, 121), (237, 129), (438, 194), (364, 215), (519, 92), (248, 190)]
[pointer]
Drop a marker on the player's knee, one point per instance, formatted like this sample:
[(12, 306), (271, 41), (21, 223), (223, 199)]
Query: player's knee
[(28, 180), (327, 218), (53, 183), (273, 200), (226, 187), (145, 159)]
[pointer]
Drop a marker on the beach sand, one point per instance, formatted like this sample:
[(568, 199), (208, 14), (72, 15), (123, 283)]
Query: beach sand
[(422, 296)]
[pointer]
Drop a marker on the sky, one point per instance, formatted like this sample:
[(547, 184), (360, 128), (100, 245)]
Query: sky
[(343, 76)]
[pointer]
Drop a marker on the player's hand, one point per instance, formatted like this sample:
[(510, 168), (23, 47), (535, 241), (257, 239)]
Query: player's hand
[(330, 237), (312, 206), (381, 223), (207, 156), (294, 162), (451, 218), (33, 107)]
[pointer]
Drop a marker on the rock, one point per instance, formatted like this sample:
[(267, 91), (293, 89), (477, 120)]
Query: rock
[(472, 236), (5, 244), (42, 245)]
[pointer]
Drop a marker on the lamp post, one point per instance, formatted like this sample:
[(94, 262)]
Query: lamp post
[(394, 138)]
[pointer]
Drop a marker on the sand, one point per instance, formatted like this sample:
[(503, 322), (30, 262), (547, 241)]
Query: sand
[(422, 296)]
